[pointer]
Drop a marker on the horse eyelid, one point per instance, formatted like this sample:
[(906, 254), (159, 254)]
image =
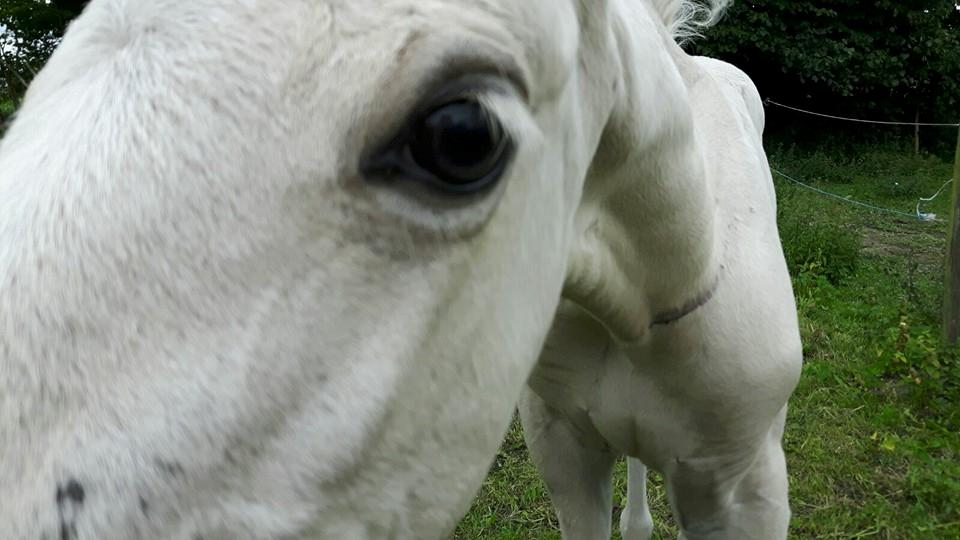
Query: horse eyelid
[(465, 63), (475, 85)]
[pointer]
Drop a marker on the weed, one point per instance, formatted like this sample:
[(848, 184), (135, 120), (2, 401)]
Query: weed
[(816, 246)]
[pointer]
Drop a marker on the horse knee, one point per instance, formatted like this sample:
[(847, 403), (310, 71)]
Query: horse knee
[(746, 502)]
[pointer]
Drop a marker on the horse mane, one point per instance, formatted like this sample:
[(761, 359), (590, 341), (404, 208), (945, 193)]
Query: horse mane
[(685, 19)]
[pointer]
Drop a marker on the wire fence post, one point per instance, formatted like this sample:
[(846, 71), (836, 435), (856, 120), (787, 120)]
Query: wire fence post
[(951, 297)]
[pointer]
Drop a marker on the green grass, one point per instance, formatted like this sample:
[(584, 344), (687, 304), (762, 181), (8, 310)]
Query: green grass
[(873, 436)]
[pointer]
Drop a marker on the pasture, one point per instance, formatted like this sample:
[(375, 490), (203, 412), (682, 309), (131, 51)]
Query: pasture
[(873, 435)]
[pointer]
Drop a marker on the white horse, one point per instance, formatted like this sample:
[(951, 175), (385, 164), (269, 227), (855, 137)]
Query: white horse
[(282, 269)]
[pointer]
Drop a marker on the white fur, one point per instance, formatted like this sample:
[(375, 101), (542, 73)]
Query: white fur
[(214, 327)]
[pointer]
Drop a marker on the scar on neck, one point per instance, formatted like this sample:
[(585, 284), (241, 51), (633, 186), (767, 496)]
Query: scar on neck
[(666, 318)]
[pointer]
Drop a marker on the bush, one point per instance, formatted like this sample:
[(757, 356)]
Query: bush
[(889, 170), (815, 246), (816, 166), (931, 373), (6, 109)]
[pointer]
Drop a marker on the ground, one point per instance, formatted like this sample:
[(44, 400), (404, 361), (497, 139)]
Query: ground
[(873, 436)]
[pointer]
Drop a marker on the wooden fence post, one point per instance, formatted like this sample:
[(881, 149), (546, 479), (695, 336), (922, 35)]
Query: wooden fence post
[(951, 297), (916, 134)]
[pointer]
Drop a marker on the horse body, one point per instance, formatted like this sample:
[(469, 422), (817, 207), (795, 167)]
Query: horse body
[(700, 395), (214, 323)]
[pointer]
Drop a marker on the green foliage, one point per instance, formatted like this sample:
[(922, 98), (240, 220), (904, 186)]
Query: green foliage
[(889, 168), (820, 248), (7, 109), (891, 58), (912, 354), (817, 246), (31, 30)]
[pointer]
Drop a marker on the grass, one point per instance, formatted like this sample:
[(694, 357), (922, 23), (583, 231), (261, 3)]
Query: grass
[(873, 439)]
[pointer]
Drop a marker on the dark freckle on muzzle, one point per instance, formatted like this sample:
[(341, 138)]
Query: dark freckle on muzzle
[(69, 499), (73, 491)]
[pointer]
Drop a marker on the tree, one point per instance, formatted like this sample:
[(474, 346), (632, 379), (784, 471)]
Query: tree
[(894, 58), (29, 32)]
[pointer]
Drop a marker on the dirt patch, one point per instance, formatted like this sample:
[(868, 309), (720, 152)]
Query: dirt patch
[(925, 243)]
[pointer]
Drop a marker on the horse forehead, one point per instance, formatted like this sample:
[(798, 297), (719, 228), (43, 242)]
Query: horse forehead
[(541, 34), (334, 19), (544, 31)]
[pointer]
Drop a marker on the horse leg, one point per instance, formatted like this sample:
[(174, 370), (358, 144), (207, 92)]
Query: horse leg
[(636, 523), (725, 500), (578, 476)]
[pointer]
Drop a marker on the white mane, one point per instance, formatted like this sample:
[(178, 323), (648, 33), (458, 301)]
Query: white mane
[(685, 19)]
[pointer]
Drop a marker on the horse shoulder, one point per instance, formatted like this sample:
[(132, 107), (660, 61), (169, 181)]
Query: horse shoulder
[(736, 79)]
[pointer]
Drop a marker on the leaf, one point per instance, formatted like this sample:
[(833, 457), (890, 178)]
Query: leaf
[(889, 445)]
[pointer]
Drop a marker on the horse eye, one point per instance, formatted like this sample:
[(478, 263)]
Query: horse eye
[(460, 145)]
